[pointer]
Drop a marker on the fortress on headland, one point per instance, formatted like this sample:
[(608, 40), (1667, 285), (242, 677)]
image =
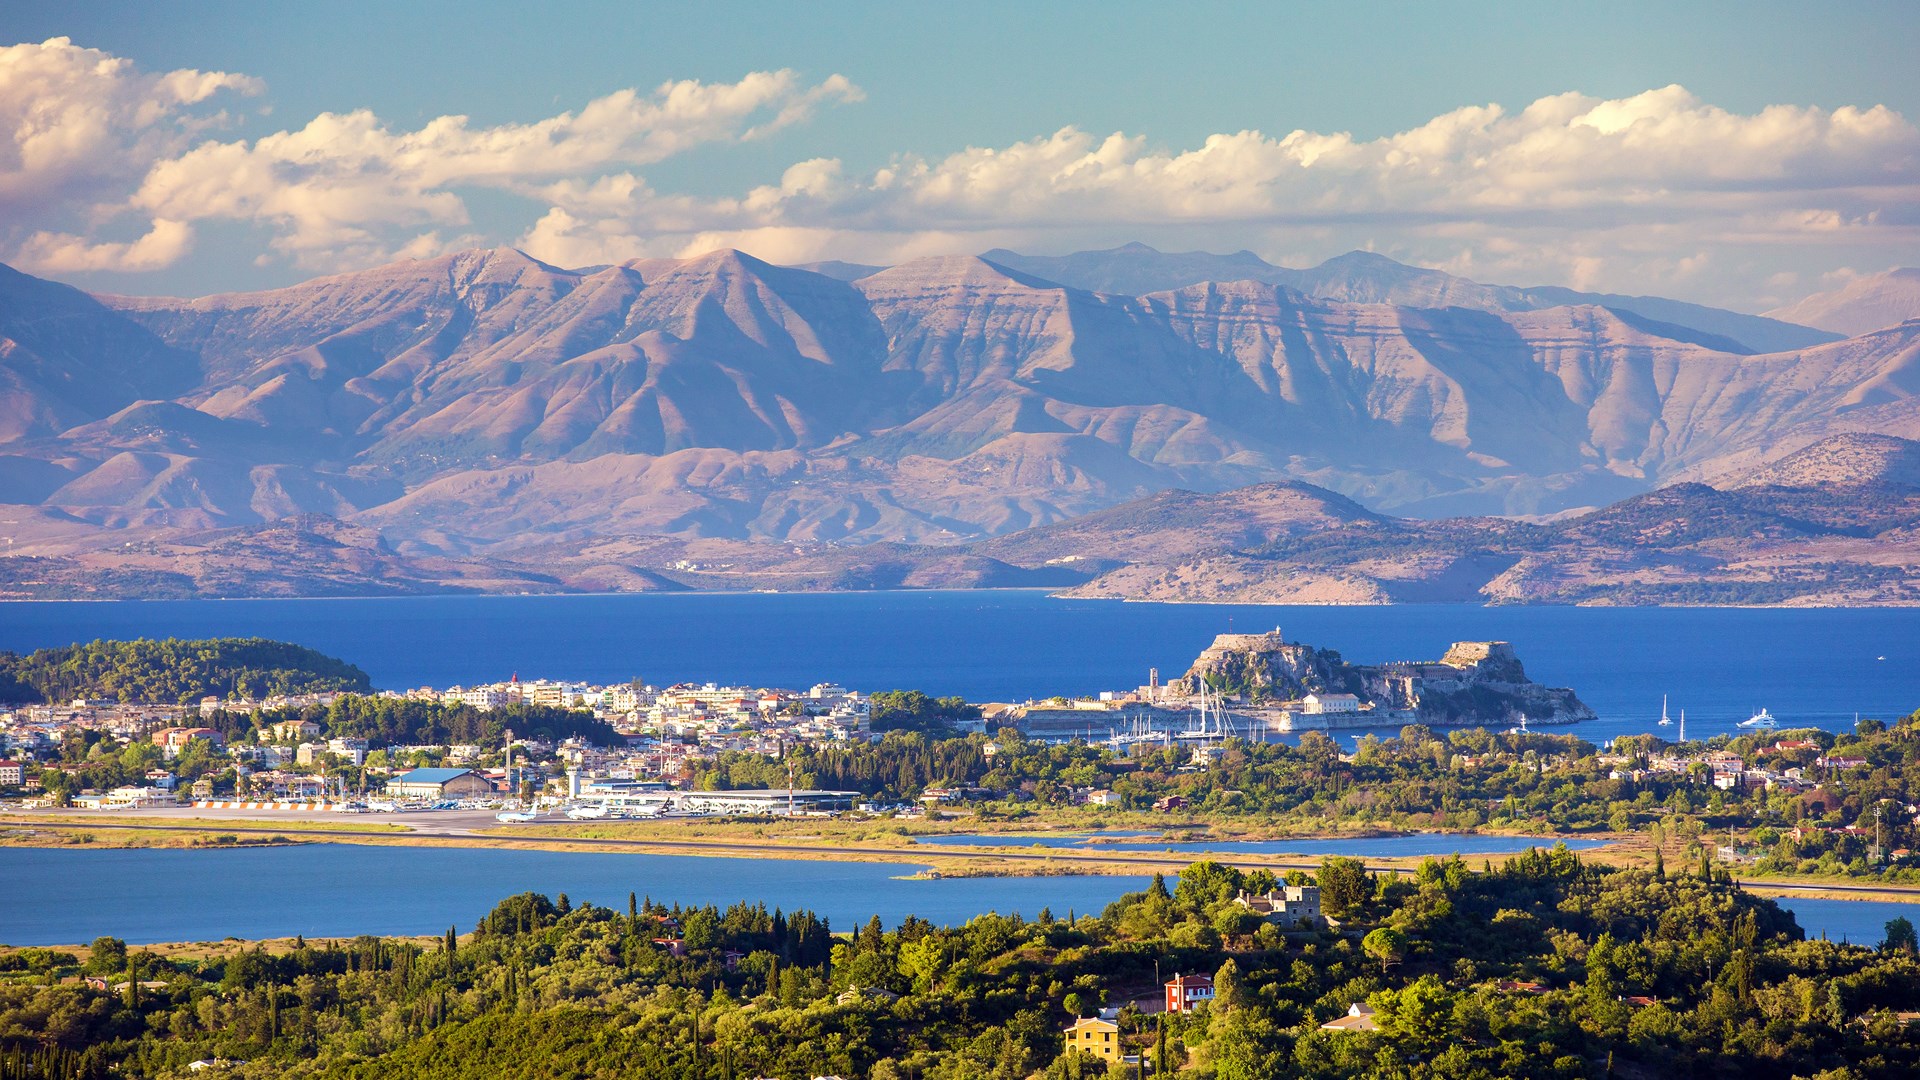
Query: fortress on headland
[(1296, 687)]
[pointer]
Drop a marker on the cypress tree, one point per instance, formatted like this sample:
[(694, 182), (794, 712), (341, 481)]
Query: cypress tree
[(1659, 865), (1160, 1049)]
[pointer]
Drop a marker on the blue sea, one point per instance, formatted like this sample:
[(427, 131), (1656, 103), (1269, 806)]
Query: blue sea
[(1818, 667)]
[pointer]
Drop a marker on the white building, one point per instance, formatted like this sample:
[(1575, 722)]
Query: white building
[(1321, 704)]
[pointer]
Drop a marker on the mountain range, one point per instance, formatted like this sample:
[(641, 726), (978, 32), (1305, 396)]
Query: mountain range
[(486, 420), (1864, 304)]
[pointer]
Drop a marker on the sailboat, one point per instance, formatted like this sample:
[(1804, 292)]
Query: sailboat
[(1665, 720), (1141, 732), (1210, 722)]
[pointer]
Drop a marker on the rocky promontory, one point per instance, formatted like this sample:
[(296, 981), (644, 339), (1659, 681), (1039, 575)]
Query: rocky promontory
[(1296, 686)]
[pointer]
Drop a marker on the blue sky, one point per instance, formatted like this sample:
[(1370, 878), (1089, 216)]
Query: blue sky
[(1706, 213)]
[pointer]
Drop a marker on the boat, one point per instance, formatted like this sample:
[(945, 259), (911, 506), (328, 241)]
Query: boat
[(1522, 729), (1209, 722), (1140, 732), (1665, 720), (1761, 719)]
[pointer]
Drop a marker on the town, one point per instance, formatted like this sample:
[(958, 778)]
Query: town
[(659, 734), (634, 750)]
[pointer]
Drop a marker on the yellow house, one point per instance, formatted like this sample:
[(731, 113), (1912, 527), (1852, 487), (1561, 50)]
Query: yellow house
[(1090, 1035)]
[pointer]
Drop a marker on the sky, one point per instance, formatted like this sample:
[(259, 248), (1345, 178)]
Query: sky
[(1740, 154)]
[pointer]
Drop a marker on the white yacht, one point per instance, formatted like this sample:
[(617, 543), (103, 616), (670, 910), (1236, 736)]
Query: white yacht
[(1761, 719), (1209, 721)]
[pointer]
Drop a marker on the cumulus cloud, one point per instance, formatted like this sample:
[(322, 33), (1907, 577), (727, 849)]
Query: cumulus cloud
[(1657, 189), (77, 126), (162, 246), (348, 182), (342, 189), (1595, 192)]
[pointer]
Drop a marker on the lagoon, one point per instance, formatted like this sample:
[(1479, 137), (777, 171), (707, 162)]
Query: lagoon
[(61, 896)]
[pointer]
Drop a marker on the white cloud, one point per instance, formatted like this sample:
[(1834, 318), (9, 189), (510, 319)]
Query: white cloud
[(344, 181), (344, 188), (1570, 188), (77, 127), (1657, 189), (162, 246)]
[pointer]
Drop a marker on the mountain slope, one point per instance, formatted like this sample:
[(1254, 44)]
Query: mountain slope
[(485, 403), (66, 359), (1361, 277), (1830, 541), (1862, 305)]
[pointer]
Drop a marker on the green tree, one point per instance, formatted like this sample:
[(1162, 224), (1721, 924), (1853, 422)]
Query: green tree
[(1385, 945), (1900, 936), (1228, 990), (1344, 885)]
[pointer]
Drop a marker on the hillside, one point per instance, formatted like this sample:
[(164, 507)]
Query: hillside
[(174, 670), (1862, 305), (1851, 535), (1364, 277)]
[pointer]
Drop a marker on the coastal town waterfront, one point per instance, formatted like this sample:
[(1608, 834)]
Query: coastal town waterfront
[(1810, 667)]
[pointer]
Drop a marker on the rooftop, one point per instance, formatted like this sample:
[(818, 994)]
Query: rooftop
[(430, 776)]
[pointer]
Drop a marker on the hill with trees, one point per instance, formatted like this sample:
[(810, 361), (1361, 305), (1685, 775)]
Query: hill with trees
[(174, 670)]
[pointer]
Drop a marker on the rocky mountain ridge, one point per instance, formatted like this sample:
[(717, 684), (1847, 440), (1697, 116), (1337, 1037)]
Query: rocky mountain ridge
[(482, 410)]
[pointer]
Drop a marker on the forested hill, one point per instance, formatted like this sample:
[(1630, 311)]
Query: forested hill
[(174, 670)]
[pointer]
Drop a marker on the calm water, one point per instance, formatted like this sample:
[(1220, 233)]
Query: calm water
[(1416, 844), (1809, 667), (65, 897)]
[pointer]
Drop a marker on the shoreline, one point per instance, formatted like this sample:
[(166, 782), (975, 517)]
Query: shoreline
[(926, 861), (1051, 592)]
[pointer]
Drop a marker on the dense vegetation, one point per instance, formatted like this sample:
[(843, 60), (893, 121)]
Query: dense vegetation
[(914, 710), (173, 671), (1637, 974)]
